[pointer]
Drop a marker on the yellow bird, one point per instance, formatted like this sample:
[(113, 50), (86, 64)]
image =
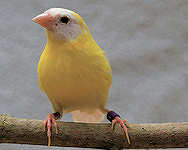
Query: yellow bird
[(73, 71)]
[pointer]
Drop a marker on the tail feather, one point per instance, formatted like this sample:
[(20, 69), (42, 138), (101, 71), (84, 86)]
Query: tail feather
[(89, 116)]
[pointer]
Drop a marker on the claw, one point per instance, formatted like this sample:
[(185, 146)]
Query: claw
[(55, 125), (122, 123), (126, 123), (44, 125), (113, 124), (48, 122), (114, 118), (49, 141)]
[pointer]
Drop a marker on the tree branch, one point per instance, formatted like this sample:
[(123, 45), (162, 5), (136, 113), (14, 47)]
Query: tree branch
[(88, 135)]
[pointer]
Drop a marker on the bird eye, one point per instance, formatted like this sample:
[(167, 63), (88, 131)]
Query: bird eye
[(64, 19)]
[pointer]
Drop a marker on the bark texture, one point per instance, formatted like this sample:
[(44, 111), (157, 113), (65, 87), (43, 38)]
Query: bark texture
[(100, 136)]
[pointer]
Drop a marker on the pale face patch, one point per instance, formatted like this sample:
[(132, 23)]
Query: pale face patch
[(65, 24)]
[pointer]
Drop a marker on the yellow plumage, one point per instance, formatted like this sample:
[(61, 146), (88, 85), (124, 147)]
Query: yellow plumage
[(75, 75), (73, 71)]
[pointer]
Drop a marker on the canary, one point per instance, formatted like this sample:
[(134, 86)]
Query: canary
[(73, 71)]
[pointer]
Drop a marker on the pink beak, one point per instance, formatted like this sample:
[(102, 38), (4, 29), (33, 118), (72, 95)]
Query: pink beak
[(45, 20)]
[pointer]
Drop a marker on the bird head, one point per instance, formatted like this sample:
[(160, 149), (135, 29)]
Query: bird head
[(62, 23)]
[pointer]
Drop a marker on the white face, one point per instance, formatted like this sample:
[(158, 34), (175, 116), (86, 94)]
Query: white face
[(65, 24)]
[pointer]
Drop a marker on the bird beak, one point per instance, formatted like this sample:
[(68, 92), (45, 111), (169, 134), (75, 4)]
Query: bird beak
[(45, 20)]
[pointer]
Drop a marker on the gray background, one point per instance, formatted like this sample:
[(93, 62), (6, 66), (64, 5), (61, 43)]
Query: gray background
[(146, 42)]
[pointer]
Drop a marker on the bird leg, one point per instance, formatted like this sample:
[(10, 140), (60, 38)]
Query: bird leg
[(50, 119), (115, 118)]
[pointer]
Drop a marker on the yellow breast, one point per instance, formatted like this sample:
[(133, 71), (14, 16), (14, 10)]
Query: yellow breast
[(74, 74)]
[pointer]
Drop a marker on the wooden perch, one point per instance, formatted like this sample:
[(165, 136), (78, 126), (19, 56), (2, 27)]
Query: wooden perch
[(101, 136)]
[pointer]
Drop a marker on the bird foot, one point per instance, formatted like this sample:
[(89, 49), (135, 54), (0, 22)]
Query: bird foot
[(50, 119), (124, 124), (115, 118)]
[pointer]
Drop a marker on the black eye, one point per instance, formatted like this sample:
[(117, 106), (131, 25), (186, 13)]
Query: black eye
[(64, 19)]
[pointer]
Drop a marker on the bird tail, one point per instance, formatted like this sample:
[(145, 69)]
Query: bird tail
[(89, 116)]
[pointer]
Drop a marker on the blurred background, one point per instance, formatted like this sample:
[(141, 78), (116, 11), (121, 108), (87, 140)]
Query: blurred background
[(146, 42)]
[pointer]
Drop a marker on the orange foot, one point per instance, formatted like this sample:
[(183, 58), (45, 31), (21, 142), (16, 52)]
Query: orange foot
[(115, 118), (50, 119)]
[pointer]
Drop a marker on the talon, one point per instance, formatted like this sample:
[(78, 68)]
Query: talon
[(113, 124), (115, 118), (118, 120), (49, 141), (55, 125), (50, 119), (44, 125), (128, 139), (56, 131), (126, 123)]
